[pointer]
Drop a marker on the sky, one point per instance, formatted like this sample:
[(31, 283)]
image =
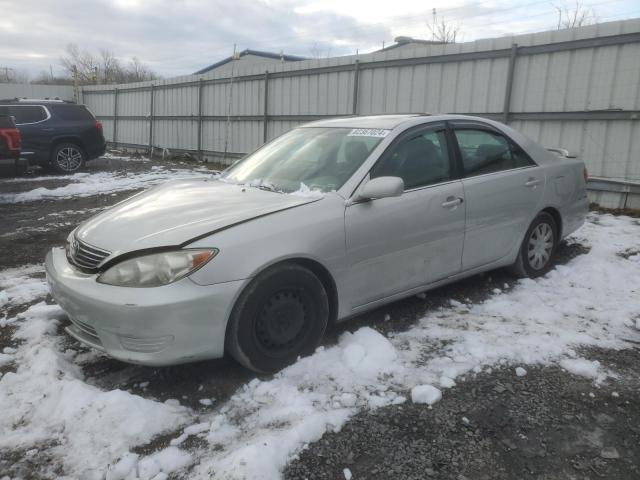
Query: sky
[(178, 37)]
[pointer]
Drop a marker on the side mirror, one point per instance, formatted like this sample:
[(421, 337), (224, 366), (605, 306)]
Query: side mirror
[(381, 187)]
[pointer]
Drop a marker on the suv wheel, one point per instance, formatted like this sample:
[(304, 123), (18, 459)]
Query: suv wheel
[(281, 315), (67, 158)]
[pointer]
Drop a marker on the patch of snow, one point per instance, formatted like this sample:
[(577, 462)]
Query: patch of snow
[(520, 372), (425, 394), (347, 474), (86, 184), (581, 367), (18, 285), (47, 400), (305, 191), (446, 382)]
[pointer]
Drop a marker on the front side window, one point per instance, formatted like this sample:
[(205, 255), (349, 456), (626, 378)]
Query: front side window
[(26, 113), (320, 158), (420, 159), (488, 152)]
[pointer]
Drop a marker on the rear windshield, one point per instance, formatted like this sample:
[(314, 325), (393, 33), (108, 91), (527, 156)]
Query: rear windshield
[(24, 113), (73, 113)]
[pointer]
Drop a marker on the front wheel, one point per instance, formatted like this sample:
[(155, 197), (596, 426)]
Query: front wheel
[(281, 315), (537, 249), (67, 158)]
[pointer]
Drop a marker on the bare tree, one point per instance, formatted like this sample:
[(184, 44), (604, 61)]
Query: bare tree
[(442, 30), (103, 68), (11, 75), (574, 15), (316, 51)]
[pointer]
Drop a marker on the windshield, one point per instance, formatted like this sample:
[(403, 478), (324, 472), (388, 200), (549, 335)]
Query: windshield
[(316, 158)]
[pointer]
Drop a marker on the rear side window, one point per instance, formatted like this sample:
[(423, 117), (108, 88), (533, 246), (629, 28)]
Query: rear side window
[(488, 152), (73, 113), (26, 113), (420, 159)]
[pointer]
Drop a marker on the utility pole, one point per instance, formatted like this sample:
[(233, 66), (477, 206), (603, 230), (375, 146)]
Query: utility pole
[(76, 97)]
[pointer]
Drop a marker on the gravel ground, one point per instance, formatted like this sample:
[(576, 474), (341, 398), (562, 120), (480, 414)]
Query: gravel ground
[(545, 425)]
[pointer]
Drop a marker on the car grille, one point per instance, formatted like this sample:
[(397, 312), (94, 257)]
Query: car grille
[(85, 256)]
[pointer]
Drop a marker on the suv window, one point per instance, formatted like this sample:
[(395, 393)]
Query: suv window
[(24, 113), (488, 152), (73, 113), (420, 159)]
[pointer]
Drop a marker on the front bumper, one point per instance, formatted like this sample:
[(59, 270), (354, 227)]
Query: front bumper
[(176, 323)]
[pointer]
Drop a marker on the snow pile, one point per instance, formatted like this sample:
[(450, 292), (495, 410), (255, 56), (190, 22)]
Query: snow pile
[(18, 286), (86, 184), (520, 372), (47, 401), (581, 367), (425, 394), (157, 466)]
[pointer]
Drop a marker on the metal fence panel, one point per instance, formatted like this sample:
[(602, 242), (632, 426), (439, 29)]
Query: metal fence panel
[(578, 89)]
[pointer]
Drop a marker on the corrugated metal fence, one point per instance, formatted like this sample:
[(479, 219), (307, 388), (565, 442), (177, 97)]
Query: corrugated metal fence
[(13, 90), (578, 89)]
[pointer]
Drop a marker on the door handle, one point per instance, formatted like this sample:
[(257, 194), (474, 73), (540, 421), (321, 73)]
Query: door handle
[(532, 183), (452, 202)]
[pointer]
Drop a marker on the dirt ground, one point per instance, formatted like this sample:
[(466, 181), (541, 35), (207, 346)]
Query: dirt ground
[(545, 425)]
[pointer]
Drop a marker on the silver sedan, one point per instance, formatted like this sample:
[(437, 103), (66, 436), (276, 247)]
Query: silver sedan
[(329, 220)]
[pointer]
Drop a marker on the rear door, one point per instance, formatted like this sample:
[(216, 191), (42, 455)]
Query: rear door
[(32, 121), (395, 244), (503, 188)]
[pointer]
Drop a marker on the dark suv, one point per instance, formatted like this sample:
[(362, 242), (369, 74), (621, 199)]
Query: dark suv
[(57, 134)]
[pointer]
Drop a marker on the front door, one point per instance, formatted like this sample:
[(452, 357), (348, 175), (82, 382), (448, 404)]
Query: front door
[(396, 244)]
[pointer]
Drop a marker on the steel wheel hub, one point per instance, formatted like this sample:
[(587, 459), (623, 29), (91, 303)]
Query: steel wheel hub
[(281, 323), (540, 246)]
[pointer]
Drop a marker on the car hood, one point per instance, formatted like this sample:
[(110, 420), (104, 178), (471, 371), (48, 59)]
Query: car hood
[(180, 211)]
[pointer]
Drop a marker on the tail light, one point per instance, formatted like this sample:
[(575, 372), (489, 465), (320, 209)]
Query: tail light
[(11, 138), (98, 125), (585, 174)]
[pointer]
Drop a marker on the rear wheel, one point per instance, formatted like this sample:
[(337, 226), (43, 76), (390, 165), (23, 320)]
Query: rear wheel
[(280, 316), (537, 249), (67, 158)]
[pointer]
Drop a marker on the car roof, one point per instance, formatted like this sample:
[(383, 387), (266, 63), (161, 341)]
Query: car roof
[(389, 122)]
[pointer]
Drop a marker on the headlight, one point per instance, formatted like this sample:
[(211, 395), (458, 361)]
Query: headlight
[(156, 269)]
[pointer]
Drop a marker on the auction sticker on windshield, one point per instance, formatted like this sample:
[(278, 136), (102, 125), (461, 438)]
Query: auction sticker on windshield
[(368, 132)]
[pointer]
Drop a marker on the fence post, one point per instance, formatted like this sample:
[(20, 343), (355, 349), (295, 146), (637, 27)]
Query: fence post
[(151, 121), (115, 117), (200, 119), (265, 113), (356, 76), (509, 86)]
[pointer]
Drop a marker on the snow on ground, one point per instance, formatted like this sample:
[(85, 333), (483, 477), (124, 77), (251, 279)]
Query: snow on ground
[(86, 184), (592, 301), (17, 285)]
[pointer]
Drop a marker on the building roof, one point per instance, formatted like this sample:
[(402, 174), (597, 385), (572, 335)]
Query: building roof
[(402, 41), (257, 53)]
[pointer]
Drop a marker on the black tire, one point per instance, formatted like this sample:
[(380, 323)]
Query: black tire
[(535, 257), (67, 158), (281, 315)]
